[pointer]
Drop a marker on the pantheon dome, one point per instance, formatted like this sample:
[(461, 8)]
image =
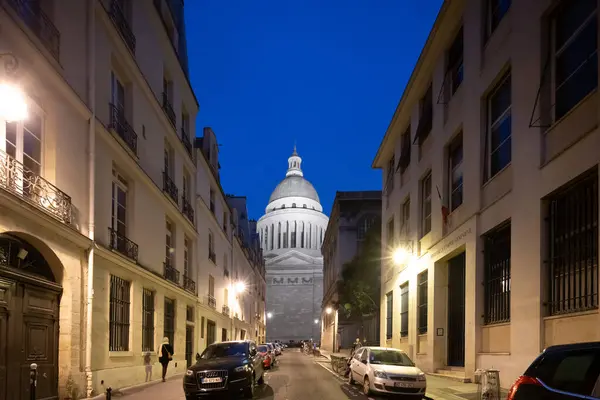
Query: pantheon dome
[(294, 216)]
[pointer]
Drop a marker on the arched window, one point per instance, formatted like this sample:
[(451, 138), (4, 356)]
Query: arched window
[(285, 235), (283, 206), (293, 245), (302, 235), (293, 205), (272, 235), (303, 205), (279, 235)]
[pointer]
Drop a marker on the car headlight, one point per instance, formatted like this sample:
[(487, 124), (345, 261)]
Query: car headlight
[(243, 368), (380, 374), (189, 372), (421, 377)]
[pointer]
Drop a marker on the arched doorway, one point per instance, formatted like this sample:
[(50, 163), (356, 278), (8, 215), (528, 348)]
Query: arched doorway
[(29, 300)]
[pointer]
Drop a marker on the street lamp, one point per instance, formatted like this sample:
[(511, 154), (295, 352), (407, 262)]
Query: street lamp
[(13, 106), (402, 253), (240, 287), (316, 321), (329, 310), (269, 315)]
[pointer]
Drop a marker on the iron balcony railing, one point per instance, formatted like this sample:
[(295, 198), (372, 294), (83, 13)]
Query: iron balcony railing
[(119, 124), (168, 108), (35, 190), (212, 302), (225, 310), (119, 18), (185, 139), (186, 208), (170, 188), (189, 284), (170, 273), (39, 23), (122, 244)]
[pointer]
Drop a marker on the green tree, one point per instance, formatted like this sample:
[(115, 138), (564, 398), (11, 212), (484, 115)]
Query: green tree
[(358, 289)]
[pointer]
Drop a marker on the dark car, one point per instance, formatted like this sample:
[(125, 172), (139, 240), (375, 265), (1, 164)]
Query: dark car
[(233, 367), (566, 372)]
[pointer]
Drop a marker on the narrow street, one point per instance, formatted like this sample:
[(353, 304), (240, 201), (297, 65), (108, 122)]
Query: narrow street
[(297, 377)]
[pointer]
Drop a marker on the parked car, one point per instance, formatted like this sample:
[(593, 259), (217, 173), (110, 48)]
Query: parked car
[(278, 349), (386, 370), (225, 368), (569, 372), (268, 356)]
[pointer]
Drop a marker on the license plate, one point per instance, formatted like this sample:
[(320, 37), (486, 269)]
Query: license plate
[(403, 385), (212, 380)]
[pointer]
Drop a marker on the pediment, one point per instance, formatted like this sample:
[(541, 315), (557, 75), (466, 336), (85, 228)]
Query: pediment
[(293, 257)]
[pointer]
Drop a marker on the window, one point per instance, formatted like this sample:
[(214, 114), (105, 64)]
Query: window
[(169, 245), (497, 9), (186, 257), (497, 275), (226, 297), (119, 314), (187, 189), (575, 47), (426, 205), (425, 116), (211, 248), (202, 327), (389, 180), (225, 218), (293, 237), (148, 320), (118, 94), (225, 265), (211, 286), (364, 225), (302, 235), (390, 233), (422, 302), (212, 201), (169, 321), (455, 172), (405, 213), (573, 247), (279, 235), (119, 210), (169, 162), (499, 128), (272, 236), (293, 205), (190, 314), (404, 310), (24, 143), (267, 238), (405, 150), (455, 68), (389, 316)]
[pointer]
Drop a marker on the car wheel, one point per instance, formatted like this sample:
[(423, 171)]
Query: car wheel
[(249, 391), (261, 380), (366, 386), (350, 380)]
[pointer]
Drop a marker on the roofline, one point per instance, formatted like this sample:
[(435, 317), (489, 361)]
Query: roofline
[(376, 164)]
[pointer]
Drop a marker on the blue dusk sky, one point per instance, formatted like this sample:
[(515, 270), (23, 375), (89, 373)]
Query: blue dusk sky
[(326, 74)]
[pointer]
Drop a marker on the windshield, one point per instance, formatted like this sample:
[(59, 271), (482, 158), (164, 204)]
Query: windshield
[(390, 357), (224, 350), (262, 349)]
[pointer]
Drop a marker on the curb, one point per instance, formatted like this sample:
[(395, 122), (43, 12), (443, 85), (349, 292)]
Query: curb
[(135, 388)]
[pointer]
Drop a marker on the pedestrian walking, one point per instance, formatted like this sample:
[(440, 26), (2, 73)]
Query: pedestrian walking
[(166, 355), (148, 364)]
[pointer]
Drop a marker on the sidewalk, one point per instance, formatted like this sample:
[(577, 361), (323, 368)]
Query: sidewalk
[(169, 390)]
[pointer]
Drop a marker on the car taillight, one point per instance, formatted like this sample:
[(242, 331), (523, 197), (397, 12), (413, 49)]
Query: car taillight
[(523, 380)]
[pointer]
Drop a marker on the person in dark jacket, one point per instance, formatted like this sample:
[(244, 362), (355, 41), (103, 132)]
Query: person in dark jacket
[(166, 355)]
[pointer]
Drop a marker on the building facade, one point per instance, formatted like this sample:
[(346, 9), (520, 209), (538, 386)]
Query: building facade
[(291, 234), (504, 261), (353, 215), (104, 241)]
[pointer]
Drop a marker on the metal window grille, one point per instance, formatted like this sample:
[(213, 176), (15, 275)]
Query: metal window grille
[(148, 320), (404, 310), (169, 321), (119, 314), (497, 276), (573, 248), (389, 317), (422, 302)]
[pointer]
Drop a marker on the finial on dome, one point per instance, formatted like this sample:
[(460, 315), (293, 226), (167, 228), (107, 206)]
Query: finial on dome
[(295, 153), (294, 164)]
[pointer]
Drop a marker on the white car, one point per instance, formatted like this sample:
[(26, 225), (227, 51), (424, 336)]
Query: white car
[(385, 370)]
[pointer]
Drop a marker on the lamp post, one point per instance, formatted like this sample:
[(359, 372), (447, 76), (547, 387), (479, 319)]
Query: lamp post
[(403, 253), (13, 106)]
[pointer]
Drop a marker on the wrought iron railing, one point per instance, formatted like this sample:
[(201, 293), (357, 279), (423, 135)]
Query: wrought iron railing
[(186, 208), (168, 108), (122, 244), (39, 23), (170, 188), (170, 273), (212, 302), (189, 284), (185, 139), (119, 18), (225, 310), (119, 124), (35, 190)]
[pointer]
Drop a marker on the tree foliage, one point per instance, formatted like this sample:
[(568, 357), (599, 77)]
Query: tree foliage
[(359, 288)]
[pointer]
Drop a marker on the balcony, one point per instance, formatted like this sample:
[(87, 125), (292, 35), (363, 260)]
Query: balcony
[(212, 256), (185, 139), (225, 310), (20, 181), (119, 124), (122, 244), (186, 208), (170, 273), (170, 188), (189, 284), (211, 301), (117, 15), (168, 109), (39, 23)]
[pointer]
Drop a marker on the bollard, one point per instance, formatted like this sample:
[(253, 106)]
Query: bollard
[(32, 380), (108, 393)]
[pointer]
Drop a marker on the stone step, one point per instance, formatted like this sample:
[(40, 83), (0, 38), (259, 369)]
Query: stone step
[(455, 374)]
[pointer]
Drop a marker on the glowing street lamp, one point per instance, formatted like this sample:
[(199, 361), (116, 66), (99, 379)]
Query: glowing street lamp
[(269, 315), (240, 287), (316, 321), (401, 255), (13, 106), (329, 310)]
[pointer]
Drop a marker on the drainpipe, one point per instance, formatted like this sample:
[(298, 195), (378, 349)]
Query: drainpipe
[(91, 193)]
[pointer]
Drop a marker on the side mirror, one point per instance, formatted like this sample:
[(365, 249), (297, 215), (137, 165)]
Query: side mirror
[(197, 356)]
